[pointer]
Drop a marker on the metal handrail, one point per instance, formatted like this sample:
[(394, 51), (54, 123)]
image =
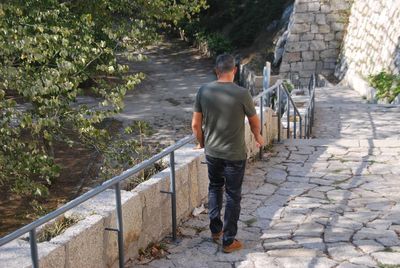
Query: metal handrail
[(269, 92), (279, 90), (309, 116), (296, 112)]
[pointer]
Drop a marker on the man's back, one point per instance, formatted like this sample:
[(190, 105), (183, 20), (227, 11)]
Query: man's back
[(224, 107), (218, 124)]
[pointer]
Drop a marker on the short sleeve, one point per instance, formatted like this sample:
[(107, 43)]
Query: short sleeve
[(197, 104), (248, 104)]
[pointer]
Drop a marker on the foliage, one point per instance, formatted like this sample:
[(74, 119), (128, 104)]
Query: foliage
[(152, 251), (216, 42), (229, 24), (288, 85), (194, 32), (241, 20), (386, 84), (122, 152), (54, 229), (381, 265), (53, 52)]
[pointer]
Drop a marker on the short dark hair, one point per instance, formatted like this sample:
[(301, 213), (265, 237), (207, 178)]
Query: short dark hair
[(224, 63)]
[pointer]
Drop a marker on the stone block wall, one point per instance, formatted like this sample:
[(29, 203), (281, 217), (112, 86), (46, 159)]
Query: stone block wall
[(315, 35), (371, 44)]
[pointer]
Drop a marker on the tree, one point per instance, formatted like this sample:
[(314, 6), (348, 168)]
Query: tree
[(53, 51)]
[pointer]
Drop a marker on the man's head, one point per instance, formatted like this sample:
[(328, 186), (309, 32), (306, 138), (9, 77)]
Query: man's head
[(225, 66)]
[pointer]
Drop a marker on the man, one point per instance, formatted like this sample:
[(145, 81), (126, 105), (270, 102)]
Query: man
[(218, 124)]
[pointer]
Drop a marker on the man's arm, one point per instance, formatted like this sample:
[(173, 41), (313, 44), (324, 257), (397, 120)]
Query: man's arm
[(255, 127), (197, 122)]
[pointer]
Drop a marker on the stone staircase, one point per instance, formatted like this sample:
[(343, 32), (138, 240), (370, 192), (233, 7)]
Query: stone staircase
[(332, 201)]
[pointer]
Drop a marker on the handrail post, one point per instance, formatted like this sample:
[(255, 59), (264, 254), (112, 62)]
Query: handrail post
[(301, 127), (288, 117), (295, 126), (313, 105), (312, 108), (266, 79), (279, 113), (262, 121), (173, 193), (120, 226), (34, 250), (306, 125)]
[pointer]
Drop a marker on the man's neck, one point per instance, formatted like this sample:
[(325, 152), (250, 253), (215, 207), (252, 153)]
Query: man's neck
[(225, 79)]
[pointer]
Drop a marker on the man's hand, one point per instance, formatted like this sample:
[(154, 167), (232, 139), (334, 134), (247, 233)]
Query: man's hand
[(199, 146), (255, 127), (197, 131), (259, 141)]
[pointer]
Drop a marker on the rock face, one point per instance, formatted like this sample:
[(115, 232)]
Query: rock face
[(314, 38), (287, 21)]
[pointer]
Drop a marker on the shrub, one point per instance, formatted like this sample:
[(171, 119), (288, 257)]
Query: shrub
[(386, 84), (288, 84), (56, 228), (218, 44), (53, 52)]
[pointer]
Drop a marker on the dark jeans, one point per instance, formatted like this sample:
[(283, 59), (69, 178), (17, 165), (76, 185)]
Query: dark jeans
[(229, 174)]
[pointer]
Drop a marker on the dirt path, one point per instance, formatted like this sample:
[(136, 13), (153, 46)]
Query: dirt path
[(174, 72)]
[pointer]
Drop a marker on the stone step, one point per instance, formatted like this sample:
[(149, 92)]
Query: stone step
[(342, 95), (350, 143)]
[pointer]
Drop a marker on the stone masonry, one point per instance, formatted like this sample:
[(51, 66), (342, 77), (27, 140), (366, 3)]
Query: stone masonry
[(315, 36), (349, 38), (371, 45), (372, 42)]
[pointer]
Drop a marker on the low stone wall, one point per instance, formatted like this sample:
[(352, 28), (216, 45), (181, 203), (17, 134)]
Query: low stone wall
[(146, 215)]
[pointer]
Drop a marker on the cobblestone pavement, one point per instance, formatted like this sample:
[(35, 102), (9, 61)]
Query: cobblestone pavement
[(311, 203), (341, 113)]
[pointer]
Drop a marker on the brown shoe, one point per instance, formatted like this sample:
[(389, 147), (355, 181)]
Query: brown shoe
[(236, 245), (216, 236)]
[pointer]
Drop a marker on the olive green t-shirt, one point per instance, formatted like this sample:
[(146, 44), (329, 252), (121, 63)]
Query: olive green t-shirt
[(224, 107)]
